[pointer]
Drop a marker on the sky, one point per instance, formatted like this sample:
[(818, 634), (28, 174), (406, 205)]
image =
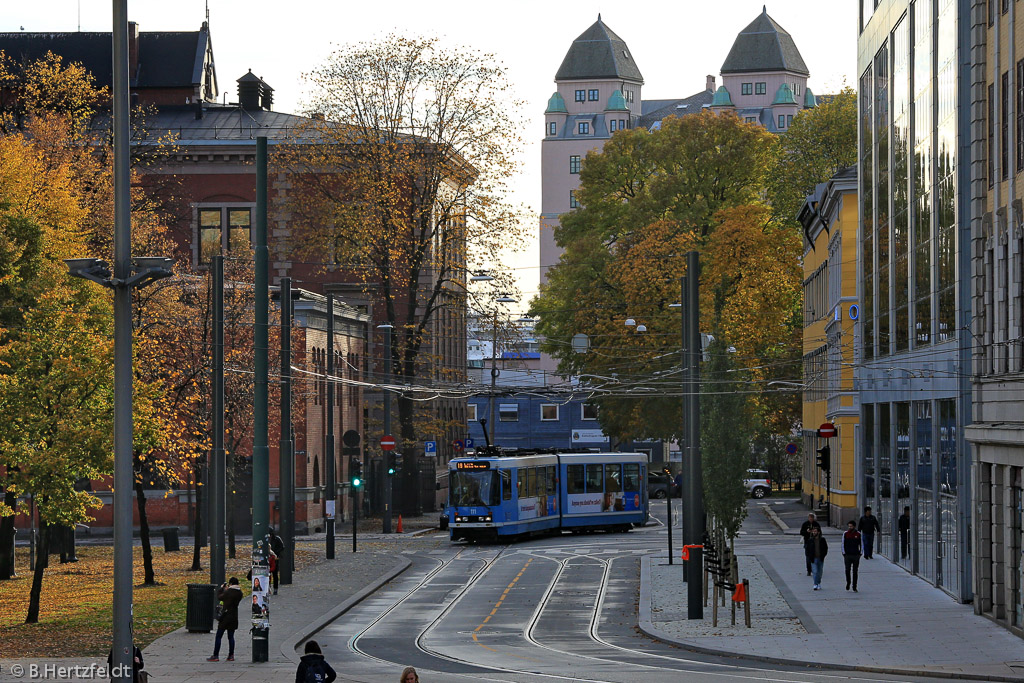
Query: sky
[(675, 44)]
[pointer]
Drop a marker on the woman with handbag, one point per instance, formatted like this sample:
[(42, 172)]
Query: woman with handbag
[(229, 595)]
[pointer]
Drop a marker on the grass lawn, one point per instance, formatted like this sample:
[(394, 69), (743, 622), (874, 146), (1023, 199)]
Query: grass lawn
[(75, 604)]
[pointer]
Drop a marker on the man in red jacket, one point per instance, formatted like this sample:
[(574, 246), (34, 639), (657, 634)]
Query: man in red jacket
[(851, 553)]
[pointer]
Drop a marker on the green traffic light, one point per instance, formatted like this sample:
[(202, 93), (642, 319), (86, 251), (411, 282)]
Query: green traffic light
[(357, 482), (391, 470)]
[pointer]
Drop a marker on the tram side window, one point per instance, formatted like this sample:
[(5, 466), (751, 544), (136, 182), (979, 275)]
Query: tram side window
[(574, 479), (595, 479), (631, 480), (520, 476), (551, 480), (613, 477), (506, 484), (528, 475), (542, 481)]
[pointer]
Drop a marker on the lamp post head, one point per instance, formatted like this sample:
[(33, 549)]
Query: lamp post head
[(641, 328), (630, 322)]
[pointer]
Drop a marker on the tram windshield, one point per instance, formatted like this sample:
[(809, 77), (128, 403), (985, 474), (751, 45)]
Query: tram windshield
[(474, 488)]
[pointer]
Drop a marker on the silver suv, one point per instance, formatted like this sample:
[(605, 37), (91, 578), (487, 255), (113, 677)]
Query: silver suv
[(758, 484)]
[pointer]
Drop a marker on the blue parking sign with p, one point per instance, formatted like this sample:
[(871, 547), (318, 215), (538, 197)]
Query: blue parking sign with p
[(430, 447), (469, 443)]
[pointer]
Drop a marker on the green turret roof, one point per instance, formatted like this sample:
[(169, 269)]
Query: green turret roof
[(556, 105), (784, 95), (810, 101), (722, 98), (616, 102)]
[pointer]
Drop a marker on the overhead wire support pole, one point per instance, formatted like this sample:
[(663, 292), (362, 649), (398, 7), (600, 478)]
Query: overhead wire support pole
[(260, 450), (218, 468), (286, 452), (694, 478), (389, 457), (494, 371), (122, 647), (332, 474)]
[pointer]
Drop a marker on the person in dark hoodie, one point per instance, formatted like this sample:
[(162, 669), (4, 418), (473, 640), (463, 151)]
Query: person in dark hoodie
[(851, 553), (805, 531), (230, 596), (313, 668), (816, 548)]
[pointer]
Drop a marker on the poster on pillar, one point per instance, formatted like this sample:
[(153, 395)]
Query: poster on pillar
[(260, 600), (329, 510)]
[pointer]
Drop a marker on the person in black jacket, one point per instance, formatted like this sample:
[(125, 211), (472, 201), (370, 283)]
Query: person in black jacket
[(137, 664), (816, 548), (867, 527), (851, 553), (277, 546), (904, 527), (230, 595), (805, 531), (313, 668)]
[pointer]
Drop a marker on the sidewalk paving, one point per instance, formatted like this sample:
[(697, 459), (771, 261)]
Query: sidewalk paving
[(318, 595), (896, 623)]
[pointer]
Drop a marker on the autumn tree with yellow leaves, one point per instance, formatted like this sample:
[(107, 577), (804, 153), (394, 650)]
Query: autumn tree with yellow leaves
[(398, 185)]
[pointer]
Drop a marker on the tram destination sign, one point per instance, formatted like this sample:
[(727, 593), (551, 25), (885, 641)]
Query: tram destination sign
[(473, 465)]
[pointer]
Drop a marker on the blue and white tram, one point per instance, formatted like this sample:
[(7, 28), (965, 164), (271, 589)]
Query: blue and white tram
[(506, 496)]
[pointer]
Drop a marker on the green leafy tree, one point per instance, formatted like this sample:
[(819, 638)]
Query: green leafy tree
[(821, 142)]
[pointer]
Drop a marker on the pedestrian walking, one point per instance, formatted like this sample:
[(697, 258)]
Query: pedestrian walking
[(867, 527), (230, 596), (816, 548), (409, 675), (851, 553), (805, 531), (904, 527), (277, 548), (138, 675), (313, 668)]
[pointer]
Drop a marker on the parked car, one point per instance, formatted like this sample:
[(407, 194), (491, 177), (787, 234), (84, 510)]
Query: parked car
[(660, 485), (758, 484)]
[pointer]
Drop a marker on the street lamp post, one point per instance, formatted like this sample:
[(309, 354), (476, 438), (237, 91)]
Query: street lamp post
[(388, 481)]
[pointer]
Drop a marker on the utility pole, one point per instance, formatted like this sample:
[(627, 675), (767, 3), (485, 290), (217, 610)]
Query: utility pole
[(260, 450), (494, 370), (123, 474), (218, 468), (332, 494), (286, 447), (388, 455), (694, 472)]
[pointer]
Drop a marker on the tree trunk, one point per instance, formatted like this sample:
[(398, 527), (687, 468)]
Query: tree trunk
[(409, 504), (197, 525), (7, 538), (42, 560), (231, 521), (147, 549)]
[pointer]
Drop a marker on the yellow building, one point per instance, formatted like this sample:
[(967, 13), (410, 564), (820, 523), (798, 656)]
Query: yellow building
[(831, 311)]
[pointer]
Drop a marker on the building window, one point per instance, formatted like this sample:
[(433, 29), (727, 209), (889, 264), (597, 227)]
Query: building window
[(471, 412), (573, 204), (782, 120), (588, 411), (223, 229), (593, 95), (750, 119), (623, 124), (747, 89), (1004, 124), (789, 120), (574, 163), (583, 128), (552, 128), (760, 88), (612, 125), (1020, 116), (581, 95), (796, 89), (549, 412), (508, 412)]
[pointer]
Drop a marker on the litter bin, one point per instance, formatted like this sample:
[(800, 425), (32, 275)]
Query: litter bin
[(202, 598), (171, 540)]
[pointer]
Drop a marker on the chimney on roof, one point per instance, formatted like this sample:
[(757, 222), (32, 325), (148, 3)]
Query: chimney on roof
[(254, 94), (133, 50), (711, 83)]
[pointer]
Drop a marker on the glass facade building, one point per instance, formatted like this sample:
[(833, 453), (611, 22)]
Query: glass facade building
[(913, 278)]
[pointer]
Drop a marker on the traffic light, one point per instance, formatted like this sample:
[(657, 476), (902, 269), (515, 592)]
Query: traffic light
[(825, 457), (391, 469), (355, 468)]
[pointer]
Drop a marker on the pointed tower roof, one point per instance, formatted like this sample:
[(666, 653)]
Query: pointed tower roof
[(764, 46), (598, 53), (722, 98)]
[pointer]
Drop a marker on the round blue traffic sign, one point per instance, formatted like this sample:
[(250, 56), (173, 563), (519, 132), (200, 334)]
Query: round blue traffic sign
[(791, 448)]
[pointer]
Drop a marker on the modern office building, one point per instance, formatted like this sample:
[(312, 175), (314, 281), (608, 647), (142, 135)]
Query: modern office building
[(830, 318), (913, 353), (997, 221)]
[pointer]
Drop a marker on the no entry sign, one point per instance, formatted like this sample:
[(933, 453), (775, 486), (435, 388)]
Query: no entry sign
[(827, 430), (387, 443)]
